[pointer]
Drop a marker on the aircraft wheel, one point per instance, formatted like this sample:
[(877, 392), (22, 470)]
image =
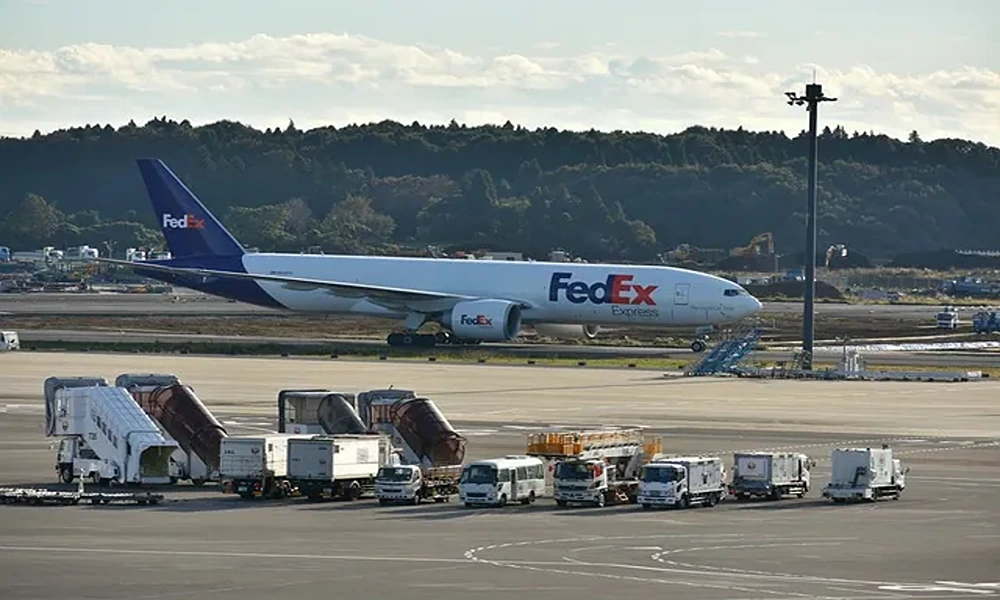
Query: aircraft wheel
[(698, 346)]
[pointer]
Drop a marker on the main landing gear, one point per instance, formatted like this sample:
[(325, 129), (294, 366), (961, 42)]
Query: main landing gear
[(427, 340)]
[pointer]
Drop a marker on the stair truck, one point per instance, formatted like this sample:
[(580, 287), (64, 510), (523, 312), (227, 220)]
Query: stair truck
[(341, 466), (865, 474), (595, 467), (318, 411), (431, 451), (770, 475), (183, 417), (256, 466), (681, 482), (103, 435)]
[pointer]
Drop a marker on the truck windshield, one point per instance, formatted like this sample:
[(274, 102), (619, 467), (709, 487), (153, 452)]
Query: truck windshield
[(479, 474), (661, 474), (393, 474), (573, 470)]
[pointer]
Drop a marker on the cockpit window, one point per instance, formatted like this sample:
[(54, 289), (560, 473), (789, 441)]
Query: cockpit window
[(732, 292)]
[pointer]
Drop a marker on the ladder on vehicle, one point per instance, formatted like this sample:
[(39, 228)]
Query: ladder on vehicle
[(725, 356)]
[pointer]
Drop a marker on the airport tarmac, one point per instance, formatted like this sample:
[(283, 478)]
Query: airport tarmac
[(940, 540)]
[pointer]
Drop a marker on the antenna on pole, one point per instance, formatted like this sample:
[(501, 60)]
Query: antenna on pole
[(814, 95)]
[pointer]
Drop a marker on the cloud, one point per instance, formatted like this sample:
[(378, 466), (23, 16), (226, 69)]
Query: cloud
[(329, 78), (741, 34)]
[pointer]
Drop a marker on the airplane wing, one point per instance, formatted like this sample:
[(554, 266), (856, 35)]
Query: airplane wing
[(390, 297)]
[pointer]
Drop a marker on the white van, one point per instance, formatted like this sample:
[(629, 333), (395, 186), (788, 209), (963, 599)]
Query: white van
[(497, 481)]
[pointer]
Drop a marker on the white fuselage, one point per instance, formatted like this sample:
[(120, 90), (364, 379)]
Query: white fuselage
[(568, 293)]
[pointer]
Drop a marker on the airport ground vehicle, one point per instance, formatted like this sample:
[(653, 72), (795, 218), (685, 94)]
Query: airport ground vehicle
[(682, 481), (865, 474), (471, 300), (596, 467), (770, 474), (182, 417), (256, 466), (986, 322), (9, 340), (497, 481), (340, 466), (412, 484), (104, 435)]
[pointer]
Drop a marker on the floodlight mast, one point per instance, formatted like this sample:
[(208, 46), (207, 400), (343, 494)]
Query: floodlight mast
[(814, 95)]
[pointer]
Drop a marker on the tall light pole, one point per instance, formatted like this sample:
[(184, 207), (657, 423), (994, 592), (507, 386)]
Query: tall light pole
[(814, 95)]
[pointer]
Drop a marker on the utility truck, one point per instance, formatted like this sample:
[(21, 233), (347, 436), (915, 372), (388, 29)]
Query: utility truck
[(770, 474), (256, 466), (865, 474), (412, 484), (682, 481), (596, 467), (104, 435), (341, 466)]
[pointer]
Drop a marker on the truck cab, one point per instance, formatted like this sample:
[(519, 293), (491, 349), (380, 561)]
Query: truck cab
[(398, 483), (590, 481), (9, 341), (681, 482)]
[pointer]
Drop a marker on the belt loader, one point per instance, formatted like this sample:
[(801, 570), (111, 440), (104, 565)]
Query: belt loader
[(596, 467)]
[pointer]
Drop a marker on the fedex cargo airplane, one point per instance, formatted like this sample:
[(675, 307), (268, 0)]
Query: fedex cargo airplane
[(472, 301)]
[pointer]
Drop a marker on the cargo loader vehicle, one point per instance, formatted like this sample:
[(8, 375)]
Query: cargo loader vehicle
[(596, 467)]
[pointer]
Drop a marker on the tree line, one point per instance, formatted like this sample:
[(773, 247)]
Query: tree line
[(394, 188)]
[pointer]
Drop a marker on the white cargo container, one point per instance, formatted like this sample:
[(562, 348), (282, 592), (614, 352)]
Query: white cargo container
[(770, 474), (256, 466), (343, 466), (865, 474), (682, 481)]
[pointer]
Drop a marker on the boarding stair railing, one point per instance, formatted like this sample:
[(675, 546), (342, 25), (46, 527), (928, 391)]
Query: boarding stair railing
[(725, 356)]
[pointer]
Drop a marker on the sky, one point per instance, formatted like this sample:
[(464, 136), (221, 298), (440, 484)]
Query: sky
[(643, 65)]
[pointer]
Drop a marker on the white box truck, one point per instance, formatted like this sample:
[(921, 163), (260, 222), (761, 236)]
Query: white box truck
[(411, 484), (682, 481), (865, 474), (256, 466), (343, 466), (770, 474)]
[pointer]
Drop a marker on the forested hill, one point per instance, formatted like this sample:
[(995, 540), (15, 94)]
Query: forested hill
[(385, 186)]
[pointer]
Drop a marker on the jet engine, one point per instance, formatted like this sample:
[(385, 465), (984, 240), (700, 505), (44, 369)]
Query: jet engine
[(574, 332), (486, 320)]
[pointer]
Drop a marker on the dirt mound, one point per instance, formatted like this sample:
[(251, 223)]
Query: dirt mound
[(794, 289)]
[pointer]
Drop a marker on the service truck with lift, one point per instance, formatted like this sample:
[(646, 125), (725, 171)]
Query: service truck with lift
[(682, 481), (337, 466), (104, 436), (596, 467), (256, 466), (865, 474), (770, 475)]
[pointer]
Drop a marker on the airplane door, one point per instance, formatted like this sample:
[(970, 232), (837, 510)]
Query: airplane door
[(681, 293)]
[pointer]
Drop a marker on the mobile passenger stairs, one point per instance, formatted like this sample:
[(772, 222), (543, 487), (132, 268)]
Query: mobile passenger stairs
[(726, 356)]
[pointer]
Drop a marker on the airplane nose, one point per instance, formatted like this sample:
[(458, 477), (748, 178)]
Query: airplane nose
[(755, 306)]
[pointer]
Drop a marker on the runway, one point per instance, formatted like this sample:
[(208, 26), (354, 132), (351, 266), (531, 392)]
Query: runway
[(941, 540), (823, 356)]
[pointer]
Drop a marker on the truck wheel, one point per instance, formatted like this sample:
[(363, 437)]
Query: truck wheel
[(685, 501), (560, 503), (198, 481), (66, 474), (601, 500), (503, 501), (416, 500)]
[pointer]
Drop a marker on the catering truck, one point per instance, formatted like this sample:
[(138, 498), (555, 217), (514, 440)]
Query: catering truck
[(412, 484), (770, 474), (256, 466), (595, 467), (682, 481), (337, 466), (865, 474)]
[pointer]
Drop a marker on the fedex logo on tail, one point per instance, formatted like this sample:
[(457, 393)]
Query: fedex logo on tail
[(182, 222), (617, 289)]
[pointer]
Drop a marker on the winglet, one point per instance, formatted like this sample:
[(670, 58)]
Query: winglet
[(189, 228)]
